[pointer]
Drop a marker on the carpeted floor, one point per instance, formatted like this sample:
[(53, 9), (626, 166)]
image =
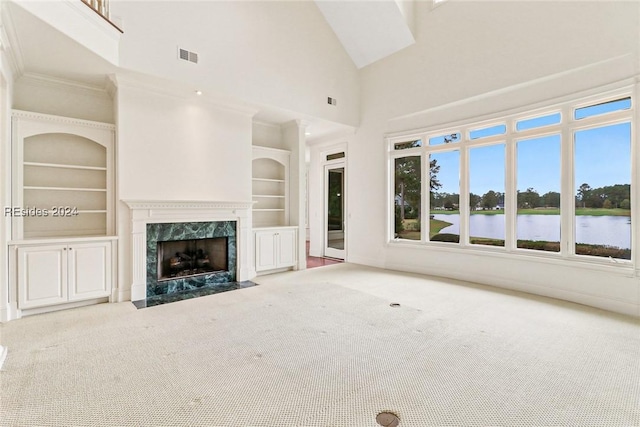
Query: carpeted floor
[(323, 347)]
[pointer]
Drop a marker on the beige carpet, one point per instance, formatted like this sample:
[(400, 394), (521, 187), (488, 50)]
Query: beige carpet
[(323, 347)]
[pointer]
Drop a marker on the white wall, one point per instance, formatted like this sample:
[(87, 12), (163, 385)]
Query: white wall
[(277, 53), (473, 59), (62, 98), (176, 147), (268, 135)]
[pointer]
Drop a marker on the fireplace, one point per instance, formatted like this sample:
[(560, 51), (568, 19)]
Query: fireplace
[(154, 221), (189, 255), (190, 258)]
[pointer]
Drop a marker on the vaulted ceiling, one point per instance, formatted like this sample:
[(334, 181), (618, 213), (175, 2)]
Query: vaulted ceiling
[(370, 30)]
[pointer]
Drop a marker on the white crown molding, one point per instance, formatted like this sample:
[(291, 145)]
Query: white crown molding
[(43, 81), (186, 204), (30, 115)]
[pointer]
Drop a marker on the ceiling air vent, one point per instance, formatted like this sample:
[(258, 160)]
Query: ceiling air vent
[(187, 56)]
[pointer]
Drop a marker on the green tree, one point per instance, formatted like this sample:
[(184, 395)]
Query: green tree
[(584, 192), (551, 199), (625, 204), (490, 199), (474, 200), (529, 199)]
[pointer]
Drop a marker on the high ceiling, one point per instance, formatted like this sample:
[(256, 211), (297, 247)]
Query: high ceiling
[(370, 30)]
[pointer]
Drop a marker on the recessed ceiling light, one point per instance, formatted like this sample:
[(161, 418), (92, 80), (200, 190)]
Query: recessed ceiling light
[(198, 92), (307, 133)]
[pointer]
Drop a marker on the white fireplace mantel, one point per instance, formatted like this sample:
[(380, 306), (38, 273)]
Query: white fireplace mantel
[(145, 212)]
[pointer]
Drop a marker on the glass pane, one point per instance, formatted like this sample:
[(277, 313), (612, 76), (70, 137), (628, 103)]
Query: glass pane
[(407, 197), (490, 131), (408, 144), (536, 122), (603, 108), (538, 219), (335, 209), (444, 218), (603, 197), (486, 198), (445, 139), (335, 156)]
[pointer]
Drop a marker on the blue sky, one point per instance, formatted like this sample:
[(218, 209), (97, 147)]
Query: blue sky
[(602, 157)]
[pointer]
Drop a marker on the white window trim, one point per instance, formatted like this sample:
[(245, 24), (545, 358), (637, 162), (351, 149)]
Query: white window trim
[(566, 129)]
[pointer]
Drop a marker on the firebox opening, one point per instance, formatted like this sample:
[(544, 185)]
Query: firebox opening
[(187, 258)]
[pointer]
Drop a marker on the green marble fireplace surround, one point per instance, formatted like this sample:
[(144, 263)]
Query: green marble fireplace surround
[(162, 232)]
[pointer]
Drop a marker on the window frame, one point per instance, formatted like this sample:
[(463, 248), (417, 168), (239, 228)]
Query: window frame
[(566, 128)]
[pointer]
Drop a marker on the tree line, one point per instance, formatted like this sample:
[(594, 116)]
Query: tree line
[(607, 197), (408, 193)]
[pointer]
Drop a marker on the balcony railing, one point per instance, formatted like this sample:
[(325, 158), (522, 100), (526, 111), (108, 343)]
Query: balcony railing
[(102, 8)]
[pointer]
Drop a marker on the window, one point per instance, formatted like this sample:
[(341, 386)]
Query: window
[(408, 197), (444, 183), (536, 122), (553, 183), (603, 194), (538, 193), (486, 195), (603, 108), (487, 132)]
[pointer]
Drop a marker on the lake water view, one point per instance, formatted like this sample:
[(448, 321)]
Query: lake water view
[(596, 230)]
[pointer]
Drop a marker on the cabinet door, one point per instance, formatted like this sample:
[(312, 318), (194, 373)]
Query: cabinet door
[(265, 250), (42, 276), (89, 270), (286, 240)]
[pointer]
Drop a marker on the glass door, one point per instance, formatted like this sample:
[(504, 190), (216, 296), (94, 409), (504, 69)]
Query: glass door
[(334, 211)]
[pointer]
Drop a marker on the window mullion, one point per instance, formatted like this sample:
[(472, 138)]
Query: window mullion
[(567, 189), (425, 224), (464, 192), (510, 199)]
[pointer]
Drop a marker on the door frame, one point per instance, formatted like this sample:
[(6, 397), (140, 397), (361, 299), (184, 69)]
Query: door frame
[(328, 165)]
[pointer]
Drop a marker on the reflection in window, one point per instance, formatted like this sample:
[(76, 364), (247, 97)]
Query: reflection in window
[(486, 198), (603, 108), (445, 139), (407, 145), (444, 218), (603, 193), (538, 194), (407, 198)]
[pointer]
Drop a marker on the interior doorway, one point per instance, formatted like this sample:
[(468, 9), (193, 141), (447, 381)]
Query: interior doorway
[(334, 209)]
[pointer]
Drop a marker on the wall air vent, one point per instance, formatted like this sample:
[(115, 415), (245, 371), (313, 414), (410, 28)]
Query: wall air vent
[(187, 56)]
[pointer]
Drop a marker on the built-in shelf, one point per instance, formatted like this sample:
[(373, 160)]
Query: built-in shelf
[(65, 189), (269, 187), (268, 180), (63, 166), (57, 165)]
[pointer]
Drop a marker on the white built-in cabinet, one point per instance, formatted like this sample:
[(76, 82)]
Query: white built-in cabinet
[(275, 248), (62, 221), (274, 240), (50, 274)]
